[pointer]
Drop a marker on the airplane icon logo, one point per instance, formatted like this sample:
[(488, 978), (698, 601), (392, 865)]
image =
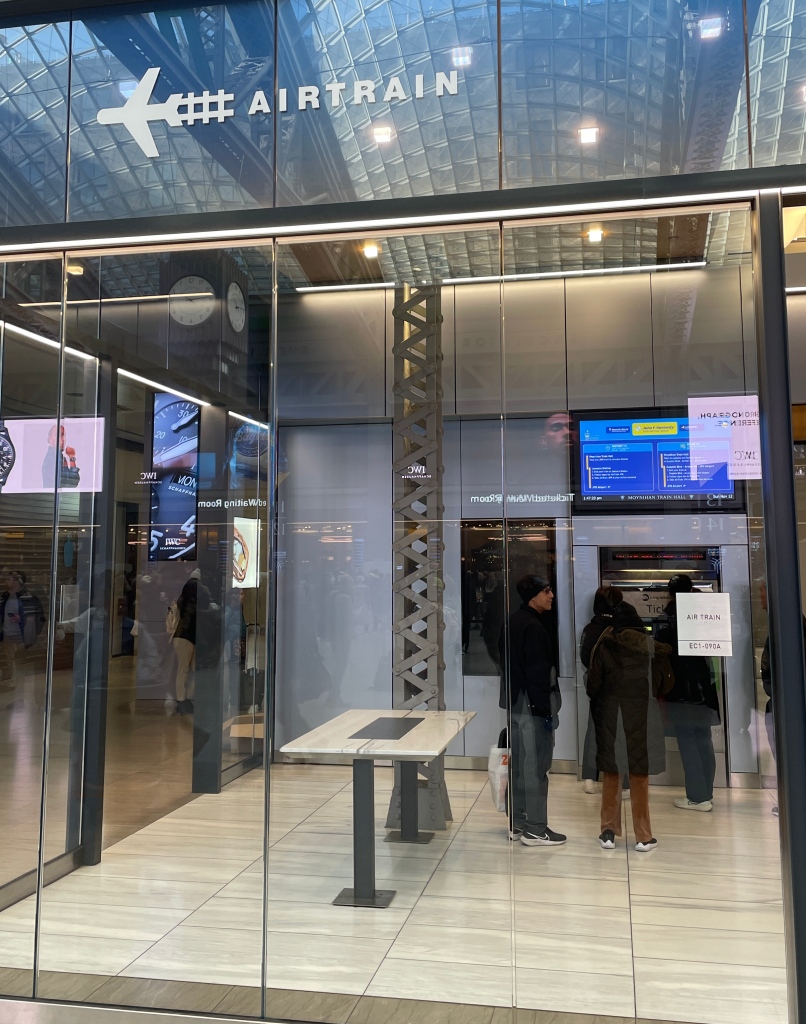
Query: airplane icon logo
[(138, 112)]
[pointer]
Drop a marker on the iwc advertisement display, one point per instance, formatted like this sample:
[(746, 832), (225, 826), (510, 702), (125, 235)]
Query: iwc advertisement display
[(174, 494)]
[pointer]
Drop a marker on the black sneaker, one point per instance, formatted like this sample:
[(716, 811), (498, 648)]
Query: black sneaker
[(545, 838), (648, 844), (607, 840), (184, 707), (515, 831)]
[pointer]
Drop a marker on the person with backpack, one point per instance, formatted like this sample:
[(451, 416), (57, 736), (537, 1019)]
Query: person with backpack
[(628, 672), (691, 708), (605, 601)]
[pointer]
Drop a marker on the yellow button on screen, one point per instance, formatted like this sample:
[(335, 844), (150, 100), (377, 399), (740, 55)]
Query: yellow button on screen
[(664, 427)]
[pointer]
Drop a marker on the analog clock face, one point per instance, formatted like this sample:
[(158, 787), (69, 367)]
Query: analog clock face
[(191, 301), (236, 307)]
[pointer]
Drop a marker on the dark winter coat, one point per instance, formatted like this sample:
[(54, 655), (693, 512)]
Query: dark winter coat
[(531, 663), (590, 634), (766, 668), (693, 683), (628, 671), (194, 597)]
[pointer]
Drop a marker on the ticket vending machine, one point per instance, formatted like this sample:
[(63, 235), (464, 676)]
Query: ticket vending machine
[(638, 553), (642, 574)]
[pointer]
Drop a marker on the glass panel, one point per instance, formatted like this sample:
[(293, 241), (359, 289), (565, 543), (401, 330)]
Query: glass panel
[(160, 651), (34, 72), (390, 582), (207, 144), (383, 100), (776, 51), (30, 323), (643, 621), (616, 89)]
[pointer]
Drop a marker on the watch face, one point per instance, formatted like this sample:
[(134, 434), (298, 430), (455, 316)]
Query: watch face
[(236, 307), (191, 301), (7, 455), (176, 436), (175, 453)]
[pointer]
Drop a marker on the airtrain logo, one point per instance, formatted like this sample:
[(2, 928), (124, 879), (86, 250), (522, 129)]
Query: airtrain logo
[(138, 112)]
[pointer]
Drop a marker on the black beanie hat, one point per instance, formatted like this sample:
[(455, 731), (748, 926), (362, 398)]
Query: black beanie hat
[(530, 586), (680, 584)]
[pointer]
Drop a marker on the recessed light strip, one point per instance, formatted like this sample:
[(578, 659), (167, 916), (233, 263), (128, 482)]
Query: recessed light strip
[(77, 246), (553, 274), (42, 340), (119, 298), (247, 419), (160, 387), (344, 287)]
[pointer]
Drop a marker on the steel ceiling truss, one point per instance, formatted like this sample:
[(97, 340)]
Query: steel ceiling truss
[(418, 666)]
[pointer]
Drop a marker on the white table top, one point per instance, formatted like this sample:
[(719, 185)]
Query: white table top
[(424, 742)]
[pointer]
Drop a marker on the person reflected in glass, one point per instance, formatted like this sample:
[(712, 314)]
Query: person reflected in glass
[(534, 699), (605, 601), (194, 597), (691, 708), (21, 621), (766, 682), (628, 671)]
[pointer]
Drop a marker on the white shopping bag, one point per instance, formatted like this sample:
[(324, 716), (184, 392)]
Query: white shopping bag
[(498, 771)]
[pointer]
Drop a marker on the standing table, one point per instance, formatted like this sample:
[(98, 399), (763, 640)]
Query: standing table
[(368, 736)]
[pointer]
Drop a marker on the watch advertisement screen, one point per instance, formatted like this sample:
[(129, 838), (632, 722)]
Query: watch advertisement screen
[(244, 552), (174, 487), (33, 453)]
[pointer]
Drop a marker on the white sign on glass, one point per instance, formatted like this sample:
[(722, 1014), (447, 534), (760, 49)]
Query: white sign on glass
[(725, 429), (703, 624)]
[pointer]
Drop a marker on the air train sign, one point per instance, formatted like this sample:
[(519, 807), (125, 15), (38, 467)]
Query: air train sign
[(138, 112)]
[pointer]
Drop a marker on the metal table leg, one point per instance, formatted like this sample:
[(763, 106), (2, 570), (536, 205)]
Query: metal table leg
[(409, 810), (364, 893)]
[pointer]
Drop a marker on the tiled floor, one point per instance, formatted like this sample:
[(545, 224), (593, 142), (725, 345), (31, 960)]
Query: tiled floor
[(691, 932)]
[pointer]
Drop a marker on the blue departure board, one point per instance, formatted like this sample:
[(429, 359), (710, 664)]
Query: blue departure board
[(649, 460)]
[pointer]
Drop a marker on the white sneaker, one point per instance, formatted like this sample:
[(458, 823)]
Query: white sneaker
[(588, 786), (647, 845), (691, 805)]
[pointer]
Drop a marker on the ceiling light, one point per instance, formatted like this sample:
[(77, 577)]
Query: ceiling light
[(588, 135), (462, 56), (249, 420), (710, 28), (595, 235), (75, 269), (554, 274), (157, 386), (372, 251), (344, 287), (383, 134), (31, 336)]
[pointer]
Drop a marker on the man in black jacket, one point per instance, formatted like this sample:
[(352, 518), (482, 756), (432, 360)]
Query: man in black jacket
[(534, 700)]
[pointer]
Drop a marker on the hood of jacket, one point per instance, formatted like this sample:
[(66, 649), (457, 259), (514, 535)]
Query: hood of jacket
[(632, 644)]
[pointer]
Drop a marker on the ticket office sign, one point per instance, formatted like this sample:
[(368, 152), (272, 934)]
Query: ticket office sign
[(703, 624)]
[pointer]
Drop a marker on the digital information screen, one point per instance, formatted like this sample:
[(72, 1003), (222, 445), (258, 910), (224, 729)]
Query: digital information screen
[(649, 460)]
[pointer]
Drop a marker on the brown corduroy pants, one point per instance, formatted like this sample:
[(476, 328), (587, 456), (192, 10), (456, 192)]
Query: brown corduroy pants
[(611, 804)]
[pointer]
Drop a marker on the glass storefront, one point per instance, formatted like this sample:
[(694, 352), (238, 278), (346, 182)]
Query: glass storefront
[(385, 625)]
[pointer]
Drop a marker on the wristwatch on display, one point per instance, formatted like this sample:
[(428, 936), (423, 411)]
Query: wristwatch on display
[(7, 455)]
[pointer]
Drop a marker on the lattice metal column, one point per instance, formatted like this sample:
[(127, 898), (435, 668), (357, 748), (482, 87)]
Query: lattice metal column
[(418, 660)]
